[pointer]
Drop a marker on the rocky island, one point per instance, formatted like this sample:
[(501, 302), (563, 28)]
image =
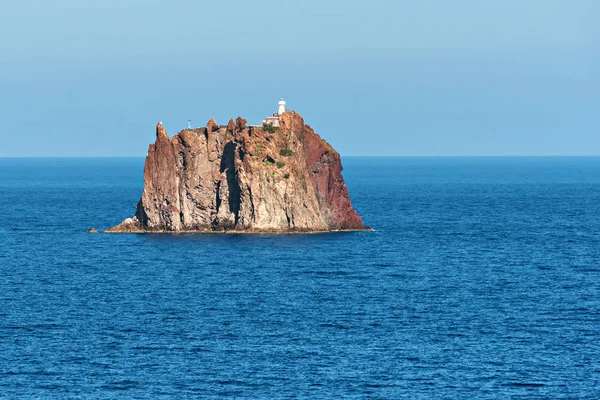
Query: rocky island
[(280, 177)]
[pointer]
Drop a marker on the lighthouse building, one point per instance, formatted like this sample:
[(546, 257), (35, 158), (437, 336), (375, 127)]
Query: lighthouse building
[(274, 119)]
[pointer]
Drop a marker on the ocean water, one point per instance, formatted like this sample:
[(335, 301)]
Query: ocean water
[(480, 280)]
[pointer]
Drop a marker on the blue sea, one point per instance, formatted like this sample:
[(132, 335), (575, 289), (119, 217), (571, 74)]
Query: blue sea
[(480, 280)]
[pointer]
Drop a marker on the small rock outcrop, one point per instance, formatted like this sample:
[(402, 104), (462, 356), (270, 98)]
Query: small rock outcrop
[(240, 178), (92, 230)]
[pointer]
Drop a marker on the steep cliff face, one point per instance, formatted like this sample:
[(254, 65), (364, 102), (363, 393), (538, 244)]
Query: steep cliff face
[(246, 179)]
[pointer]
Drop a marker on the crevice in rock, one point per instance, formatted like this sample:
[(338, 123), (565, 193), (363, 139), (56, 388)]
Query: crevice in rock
[(228, 165), (182, 160), (251, 200), (140, 214), (218, 199)]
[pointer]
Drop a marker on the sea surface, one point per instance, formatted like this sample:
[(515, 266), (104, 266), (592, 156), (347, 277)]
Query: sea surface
[(480, 280)]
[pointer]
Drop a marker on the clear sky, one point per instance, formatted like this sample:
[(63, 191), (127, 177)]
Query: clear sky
[(378, 77)]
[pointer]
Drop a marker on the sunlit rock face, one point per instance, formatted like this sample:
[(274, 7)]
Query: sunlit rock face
[(243, 178)]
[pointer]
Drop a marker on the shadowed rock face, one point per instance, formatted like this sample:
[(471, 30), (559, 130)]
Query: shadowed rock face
[(240, 178)]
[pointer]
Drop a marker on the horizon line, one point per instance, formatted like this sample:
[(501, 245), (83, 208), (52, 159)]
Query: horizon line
[(360, 156)]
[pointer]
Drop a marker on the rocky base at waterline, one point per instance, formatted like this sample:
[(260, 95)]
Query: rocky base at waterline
[(239, 178)]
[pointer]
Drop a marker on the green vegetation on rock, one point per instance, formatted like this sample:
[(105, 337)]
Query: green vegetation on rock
[(269, 128)]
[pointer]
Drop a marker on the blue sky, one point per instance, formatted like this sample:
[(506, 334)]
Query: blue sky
[(433, 77)]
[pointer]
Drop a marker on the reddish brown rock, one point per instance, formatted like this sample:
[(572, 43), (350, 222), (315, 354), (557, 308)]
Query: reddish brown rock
[(231, 126), (211, 126), (214, 179), (240, 123)]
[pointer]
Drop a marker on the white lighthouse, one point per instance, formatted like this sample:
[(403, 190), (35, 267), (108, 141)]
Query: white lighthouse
[(281, 108), (274, 119)]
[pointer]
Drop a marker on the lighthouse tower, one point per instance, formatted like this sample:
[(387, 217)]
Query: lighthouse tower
[(281, 108), (274, 119)]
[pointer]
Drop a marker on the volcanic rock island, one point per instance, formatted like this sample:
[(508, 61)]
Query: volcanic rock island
[(279, 177)]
